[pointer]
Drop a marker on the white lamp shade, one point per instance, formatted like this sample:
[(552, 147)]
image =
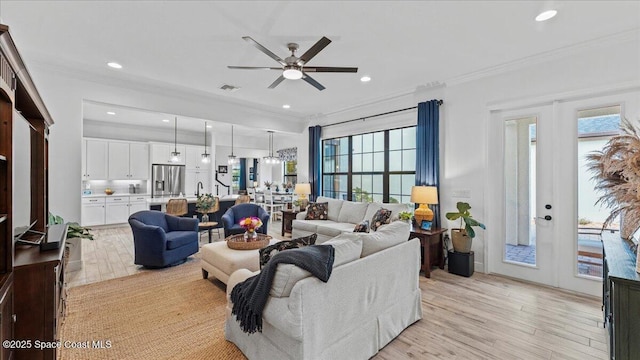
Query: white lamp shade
[(424, 195), (302, 189)]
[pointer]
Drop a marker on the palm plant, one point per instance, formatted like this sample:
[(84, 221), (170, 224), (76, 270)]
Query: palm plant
[(616, 171)]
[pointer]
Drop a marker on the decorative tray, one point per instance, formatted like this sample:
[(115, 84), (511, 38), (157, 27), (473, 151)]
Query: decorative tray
[(237, 242)]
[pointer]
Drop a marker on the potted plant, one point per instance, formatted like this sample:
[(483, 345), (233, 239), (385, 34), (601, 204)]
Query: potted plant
[(463, 236), (268, 184), (204, 205), (405, 216), (75, 234)]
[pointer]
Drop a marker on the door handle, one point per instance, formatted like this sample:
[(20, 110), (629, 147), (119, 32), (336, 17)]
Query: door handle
[(546, 217)]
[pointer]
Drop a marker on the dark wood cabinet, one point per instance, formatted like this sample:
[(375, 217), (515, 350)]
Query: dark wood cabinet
[(621, 297), (287, 220), (18, 95), (432, 248), (39, 295)]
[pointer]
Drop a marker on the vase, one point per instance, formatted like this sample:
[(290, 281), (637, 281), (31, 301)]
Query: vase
[(461, 241), (250, 235), (205, 218)]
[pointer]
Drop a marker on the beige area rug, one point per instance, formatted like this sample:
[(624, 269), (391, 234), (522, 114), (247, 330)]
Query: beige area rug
[(162, 314)]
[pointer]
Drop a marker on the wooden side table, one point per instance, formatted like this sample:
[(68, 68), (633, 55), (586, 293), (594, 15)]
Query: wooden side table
[(208, 226), (287, 219), (432, 244)]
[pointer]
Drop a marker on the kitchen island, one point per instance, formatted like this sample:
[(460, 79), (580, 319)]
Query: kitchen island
[(160, 204)]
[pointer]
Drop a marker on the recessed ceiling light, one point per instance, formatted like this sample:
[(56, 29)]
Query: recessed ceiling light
[(165, 120), (285, 106), (114, 65), (365, 78), (209, 126), (110, 113), (546, 15)]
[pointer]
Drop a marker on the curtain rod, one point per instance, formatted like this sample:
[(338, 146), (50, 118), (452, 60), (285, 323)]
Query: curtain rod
[(376, 115)]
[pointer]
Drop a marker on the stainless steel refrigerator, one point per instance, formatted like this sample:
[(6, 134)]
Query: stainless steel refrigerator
[(167, 180)]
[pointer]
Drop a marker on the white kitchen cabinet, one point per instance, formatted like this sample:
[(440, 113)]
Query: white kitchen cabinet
[(95, 160), (93, 211), (194, 158), (191, 179), (161, 153), (117, 210), (128, 161), (118, 160), (138, 203), (138, 161)]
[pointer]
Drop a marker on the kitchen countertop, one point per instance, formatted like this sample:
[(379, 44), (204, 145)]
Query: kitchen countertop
[(164, 200), (113, 195)]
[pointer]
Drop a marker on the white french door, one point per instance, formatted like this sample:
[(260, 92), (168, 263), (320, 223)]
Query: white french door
[(522, 220), (534, 191)]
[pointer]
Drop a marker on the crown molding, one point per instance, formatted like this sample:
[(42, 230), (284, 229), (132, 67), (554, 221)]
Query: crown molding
[(618, 38), (409, 94), (564, 96)]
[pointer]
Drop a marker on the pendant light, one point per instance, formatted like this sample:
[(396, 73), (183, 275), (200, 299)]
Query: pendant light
[(232, 158), (271, 159), (175, 155), (206, 157)]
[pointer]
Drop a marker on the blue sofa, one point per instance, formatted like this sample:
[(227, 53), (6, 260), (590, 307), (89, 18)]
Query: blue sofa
[(232, 217), (161, 240)]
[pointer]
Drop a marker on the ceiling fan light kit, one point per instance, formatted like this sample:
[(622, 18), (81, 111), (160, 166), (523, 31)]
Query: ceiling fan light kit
[(293, 67), (292, 72)]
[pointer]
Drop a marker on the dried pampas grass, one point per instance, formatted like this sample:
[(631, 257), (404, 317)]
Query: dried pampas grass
[(616, 171)]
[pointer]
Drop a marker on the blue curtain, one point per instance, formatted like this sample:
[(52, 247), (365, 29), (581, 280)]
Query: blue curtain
[(315, 161), (243, 174), (428, 150)]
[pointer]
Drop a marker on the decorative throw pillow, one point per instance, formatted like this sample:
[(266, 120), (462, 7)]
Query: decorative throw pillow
[(317, 211), (266, 253), (362, 227), (380, 218)]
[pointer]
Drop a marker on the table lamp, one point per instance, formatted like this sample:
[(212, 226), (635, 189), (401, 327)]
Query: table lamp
[(302, 190), (424, 195)]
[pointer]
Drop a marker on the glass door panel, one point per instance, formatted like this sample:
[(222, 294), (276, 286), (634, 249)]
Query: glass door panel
[(594, 129), (520, 190)]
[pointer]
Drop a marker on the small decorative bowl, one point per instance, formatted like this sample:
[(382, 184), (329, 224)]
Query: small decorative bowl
[(109, 192)]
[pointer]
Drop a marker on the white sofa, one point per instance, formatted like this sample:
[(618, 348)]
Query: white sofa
[(366, 303), (342, 216)]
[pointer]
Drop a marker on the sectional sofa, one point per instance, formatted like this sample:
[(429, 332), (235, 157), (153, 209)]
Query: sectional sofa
[(370, 298), (342, 217)]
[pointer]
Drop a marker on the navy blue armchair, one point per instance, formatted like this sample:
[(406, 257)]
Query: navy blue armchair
[(232, 217), (161, 240)]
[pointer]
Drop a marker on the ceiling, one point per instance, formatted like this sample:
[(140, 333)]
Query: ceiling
[(401, 45)]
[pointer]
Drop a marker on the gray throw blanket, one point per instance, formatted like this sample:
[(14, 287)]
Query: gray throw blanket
[(250, 296)]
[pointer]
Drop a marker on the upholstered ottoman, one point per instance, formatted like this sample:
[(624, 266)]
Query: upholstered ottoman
[(220, 261)]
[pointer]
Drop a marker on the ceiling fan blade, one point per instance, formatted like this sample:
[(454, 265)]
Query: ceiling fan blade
[(314, 50), (254, 68), (277, 82), (313, 82), (330, 69), (264, 50)]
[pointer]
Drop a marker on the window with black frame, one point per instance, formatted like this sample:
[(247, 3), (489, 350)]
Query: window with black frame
[(377, 166)]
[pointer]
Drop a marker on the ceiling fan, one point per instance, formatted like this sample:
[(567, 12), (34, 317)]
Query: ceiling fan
[(293, 67)]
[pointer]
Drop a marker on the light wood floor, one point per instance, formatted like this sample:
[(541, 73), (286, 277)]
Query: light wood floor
[(482, 317), (110, 255)]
